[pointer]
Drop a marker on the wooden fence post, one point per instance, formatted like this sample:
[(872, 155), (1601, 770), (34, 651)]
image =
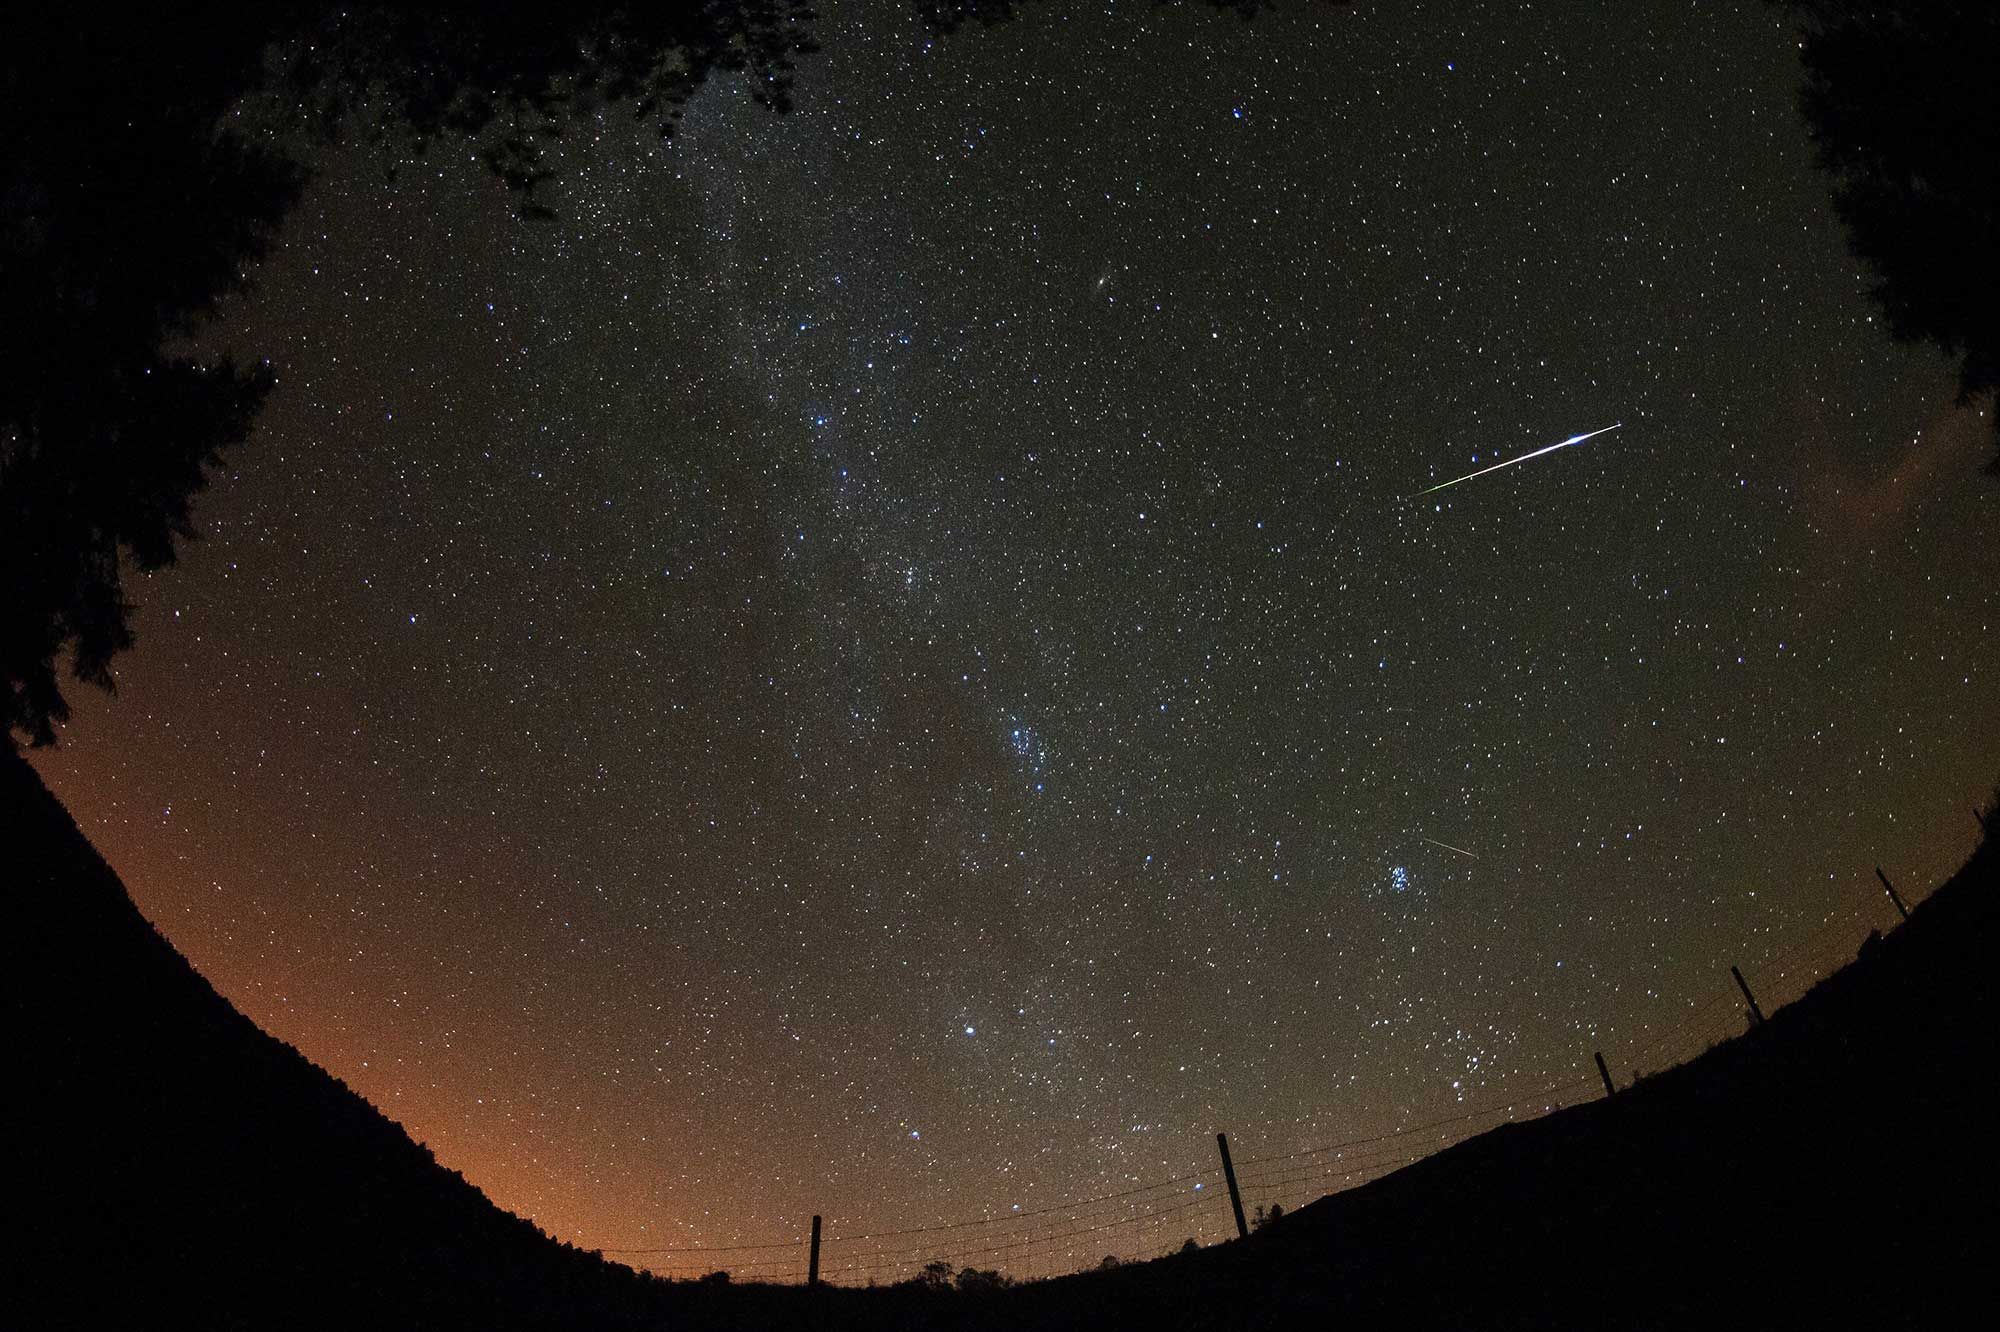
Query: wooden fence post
[(1605, 1073), (1892, 892), (1235, 1198), (812, 1264), (1756, 1013)]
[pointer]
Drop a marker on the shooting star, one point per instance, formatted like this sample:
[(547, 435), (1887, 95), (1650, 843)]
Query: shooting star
[(1449, 847), (1573, 439)]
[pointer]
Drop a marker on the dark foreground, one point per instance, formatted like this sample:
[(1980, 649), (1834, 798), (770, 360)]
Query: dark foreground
[(175, 1166)]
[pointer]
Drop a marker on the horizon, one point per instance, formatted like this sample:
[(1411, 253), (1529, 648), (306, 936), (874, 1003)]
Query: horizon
[(882, 664)]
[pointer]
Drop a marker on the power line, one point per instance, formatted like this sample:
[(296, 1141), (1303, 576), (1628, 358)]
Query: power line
[(1079, 1214), (1032, 1242), (1015, 1216), (715, 1248)]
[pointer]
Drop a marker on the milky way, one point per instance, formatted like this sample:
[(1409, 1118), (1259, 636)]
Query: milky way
[(879, 665)]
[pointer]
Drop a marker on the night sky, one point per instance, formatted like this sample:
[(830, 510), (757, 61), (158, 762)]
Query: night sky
[(884, 663)]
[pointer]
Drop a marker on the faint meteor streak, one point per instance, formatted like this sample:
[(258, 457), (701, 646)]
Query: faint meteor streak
[(1447, 845), (1551, 448)]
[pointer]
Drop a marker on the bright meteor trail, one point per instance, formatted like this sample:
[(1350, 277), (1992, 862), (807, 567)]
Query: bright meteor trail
[(1573, 439)]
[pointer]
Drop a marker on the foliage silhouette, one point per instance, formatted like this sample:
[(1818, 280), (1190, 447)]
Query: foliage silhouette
[(134, 196), (511, 77), (137, 194), (979, 1281), (1899, 99), (123, 219)]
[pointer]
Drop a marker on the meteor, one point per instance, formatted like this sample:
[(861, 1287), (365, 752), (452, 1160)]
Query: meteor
[(1551, 448), (1449, 847)]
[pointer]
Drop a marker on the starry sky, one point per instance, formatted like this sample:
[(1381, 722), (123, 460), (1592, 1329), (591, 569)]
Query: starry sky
[(884, 663)]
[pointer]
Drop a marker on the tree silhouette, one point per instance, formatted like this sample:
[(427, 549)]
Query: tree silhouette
[(1899, 98), (509, 78), (981, 1281), (133, 199), (136, 193)]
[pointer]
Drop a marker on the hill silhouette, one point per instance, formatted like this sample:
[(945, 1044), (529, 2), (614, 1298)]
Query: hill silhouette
[(1831, 1166), (178, 1166), (184, 1167)]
